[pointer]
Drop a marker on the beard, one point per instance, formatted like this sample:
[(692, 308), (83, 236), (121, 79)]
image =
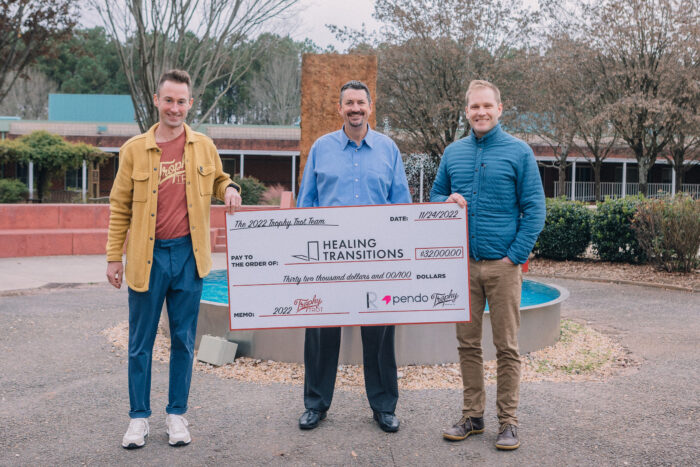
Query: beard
[(358, 124)]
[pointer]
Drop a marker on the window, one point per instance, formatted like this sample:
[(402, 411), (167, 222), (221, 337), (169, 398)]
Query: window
[(74, 179)]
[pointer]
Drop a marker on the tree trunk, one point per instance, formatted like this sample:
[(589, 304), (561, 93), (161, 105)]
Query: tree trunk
[(643, 169), (562, 180), (679, 168), (596, 177)]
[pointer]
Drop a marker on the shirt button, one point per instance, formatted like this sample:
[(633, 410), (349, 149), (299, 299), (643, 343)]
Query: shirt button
[(193, 227), (155, 168), (357, 196), (154, 191), (151, 238), (149, 261), (357, 179), (190, 205), (153, 215), (188, 183), (356, 165)]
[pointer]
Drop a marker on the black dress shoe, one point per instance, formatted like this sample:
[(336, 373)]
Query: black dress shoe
[(310, 419), (387, 421)]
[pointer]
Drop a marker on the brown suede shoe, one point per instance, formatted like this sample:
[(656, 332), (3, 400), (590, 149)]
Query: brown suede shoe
[(508, 437), (464, 427)]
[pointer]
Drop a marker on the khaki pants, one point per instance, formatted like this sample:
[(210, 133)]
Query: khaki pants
[(500, 283)]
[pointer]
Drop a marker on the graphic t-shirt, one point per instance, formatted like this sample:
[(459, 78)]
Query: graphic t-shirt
[(172, 220)]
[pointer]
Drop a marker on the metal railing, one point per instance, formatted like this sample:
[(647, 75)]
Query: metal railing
[(585, 191)]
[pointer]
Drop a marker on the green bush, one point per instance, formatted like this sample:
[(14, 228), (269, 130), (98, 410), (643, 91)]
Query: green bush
[(251, 190), (12, 190), (611, 231), (668, 230), (567, 230)]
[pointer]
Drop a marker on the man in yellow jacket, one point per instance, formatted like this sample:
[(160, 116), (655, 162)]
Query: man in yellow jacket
[(161, 197)]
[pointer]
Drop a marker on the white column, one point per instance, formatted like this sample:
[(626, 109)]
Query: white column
[(30, 180), (624, 179), (673, 181), (294, 175), (242, 157), (84, 181), (573, 181), (421, 183)]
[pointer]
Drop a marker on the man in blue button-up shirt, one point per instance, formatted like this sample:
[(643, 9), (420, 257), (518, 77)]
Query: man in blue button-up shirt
[(353, 166), (496, 176)]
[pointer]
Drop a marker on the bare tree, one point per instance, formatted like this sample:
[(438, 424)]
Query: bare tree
[(554, 129), (28, 29), (204, 37), (29, 97), (277, 90), (638, 45), (571, 111), (684, 118), (428, 52)]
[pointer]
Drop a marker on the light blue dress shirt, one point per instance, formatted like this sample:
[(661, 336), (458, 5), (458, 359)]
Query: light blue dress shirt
[(338, 172)]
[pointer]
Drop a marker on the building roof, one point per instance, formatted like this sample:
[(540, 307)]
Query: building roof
[(91, 108)]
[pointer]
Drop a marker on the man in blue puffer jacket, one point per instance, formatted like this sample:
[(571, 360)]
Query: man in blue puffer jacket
[(496, 176)]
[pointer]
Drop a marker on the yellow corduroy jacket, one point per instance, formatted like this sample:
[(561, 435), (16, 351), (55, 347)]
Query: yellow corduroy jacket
[(134, 197)]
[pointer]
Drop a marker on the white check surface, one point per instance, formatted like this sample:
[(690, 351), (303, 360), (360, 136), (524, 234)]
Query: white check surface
[(344, 266)]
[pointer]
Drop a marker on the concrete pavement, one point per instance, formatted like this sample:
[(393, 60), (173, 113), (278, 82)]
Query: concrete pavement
[(39, 271), (64, 401)]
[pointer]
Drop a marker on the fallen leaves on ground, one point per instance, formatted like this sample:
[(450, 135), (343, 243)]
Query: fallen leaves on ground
[(582, 354), (594, 269)]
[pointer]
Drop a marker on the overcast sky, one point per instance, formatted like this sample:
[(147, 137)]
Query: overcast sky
[(313, 15)]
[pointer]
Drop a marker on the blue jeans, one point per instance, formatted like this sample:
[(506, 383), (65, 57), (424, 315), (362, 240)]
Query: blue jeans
[(174, 278)]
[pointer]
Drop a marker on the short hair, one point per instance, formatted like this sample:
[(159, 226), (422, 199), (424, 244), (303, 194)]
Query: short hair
[(354, 84), (176, 76), (480, 83)]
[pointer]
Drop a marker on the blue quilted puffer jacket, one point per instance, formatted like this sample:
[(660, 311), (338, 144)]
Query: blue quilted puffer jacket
[(498, 176)]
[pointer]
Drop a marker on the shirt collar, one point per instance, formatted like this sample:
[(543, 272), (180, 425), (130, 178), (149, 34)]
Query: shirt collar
[(368, 139), (190, 136), (488, 136)]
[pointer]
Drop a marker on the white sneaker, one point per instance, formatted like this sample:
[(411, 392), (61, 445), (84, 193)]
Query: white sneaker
[(135, 436), (177, 430)]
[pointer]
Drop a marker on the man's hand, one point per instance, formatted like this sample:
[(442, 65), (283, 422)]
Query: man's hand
[(115, 273), (506, 259), (457, 198), (232, 199)]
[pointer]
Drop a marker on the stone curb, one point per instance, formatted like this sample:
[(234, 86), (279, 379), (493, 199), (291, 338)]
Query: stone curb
[(617, 281)]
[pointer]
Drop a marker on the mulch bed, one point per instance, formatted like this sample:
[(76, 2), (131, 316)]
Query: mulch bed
[(582, 353), (592, 269)]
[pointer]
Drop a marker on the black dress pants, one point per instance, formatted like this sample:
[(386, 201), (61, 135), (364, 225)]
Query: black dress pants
[(321, 349)]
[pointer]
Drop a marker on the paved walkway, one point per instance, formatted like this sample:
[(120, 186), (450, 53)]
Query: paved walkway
[(63, 398), (40, 271)]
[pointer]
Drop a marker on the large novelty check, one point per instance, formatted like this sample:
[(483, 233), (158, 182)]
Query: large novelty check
[(344, 266)]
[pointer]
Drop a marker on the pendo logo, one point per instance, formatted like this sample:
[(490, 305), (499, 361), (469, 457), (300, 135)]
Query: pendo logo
[(374, 300)]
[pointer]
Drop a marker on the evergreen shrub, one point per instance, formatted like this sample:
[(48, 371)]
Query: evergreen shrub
[(252, 190), (611, 231), (567, 230), (12, 190)]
